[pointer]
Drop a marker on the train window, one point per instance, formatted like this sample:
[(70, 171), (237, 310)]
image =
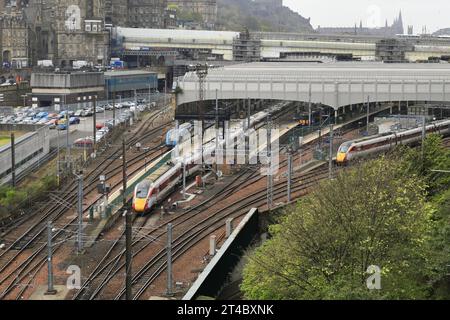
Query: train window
[(344, 148), (142, 189)]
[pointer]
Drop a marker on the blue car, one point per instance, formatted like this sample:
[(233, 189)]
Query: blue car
[(62, 126), (74, 120), (42, 114)]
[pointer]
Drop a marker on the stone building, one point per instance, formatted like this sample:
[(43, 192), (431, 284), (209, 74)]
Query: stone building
[(147, 13), (14, 37), (59, 30), (116, 12), (79, 31), (206, 8)]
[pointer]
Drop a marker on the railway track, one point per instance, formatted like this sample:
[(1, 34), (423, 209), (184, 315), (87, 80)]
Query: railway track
[(113, 267), (54, 212)]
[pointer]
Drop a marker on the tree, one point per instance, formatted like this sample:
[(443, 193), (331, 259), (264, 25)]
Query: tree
[(373, 214), (435, 157)]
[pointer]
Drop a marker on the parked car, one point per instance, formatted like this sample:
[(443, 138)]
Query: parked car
[(88, 113), (84, 142), (99, 110), (43, 120), (99, 126), (78, 113), (62, 126), (52, 123), (42, 114), (74, 120), (108, 107)]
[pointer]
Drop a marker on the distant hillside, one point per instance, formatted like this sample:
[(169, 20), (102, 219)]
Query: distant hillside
[(236, 15), (442, 32)]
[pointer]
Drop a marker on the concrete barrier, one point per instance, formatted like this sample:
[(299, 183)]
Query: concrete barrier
[(211, 280), (29, 149)]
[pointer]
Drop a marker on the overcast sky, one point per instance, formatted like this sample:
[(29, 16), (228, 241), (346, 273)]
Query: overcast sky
[(435, 14)]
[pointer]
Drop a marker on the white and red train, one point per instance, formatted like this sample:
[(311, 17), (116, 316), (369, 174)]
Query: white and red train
[(159, 185), (365, 147)]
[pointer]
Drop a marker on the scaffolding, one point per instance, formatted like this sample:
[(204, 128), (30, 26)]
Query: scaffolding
[(247, 47)]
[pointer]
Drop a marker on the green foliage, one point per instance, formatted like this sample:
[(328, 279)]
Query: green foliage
[(12, 199), (371, 215), (239, 15), (435, 157)]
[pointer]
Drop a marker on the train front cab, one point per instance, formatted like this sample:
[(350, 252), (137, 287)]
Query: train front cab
[(141, 194), (341, 157)]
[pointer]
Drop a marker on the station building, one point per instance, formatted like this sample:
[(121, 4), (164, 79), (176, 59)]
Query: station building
[(127, 83), (63, 88)]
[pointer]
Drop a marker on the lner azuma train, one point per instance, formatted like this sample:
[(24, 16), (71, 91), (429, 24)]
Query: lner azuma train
[(148, 192), (154, 189), (365, 147)]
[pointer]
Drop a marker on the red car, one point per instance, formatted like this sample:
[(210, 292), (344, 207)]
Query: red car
[(99, 126), (84, 142)]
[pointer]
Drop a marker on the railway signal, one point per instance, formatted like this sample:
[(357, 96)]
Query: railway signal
[(330, 157), (50, 288), (289, 180), (13, 160), (80, 215)]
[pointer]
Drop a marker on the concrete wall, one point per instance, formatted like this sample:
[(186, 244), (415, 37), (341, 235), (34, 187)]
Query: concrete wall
[(216, 272), (30, 148), (70, 81)]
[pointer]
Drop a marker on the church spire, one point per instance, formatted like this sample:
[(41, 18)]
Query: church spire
[(400, 23)]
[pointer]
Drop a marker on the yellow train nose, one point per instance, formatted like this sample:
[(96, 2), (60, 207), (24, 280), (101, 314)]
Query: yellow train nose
[(340, 157), (139, 205)]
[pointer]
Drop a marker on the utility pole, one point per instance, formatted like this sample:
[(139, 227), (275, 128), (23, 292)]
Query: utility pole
[(330, 157), (289, 175), (128, 255), (309, 108), (50, 289), (184, 180), (58, 171), (114, 108), (95, 123), (217, 133), (124, 173), (80, 214), (368, 113), (424, 133), (169, 260), (248, 113), (128, 225), (13, 160), (165, 92), (269, 172)]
